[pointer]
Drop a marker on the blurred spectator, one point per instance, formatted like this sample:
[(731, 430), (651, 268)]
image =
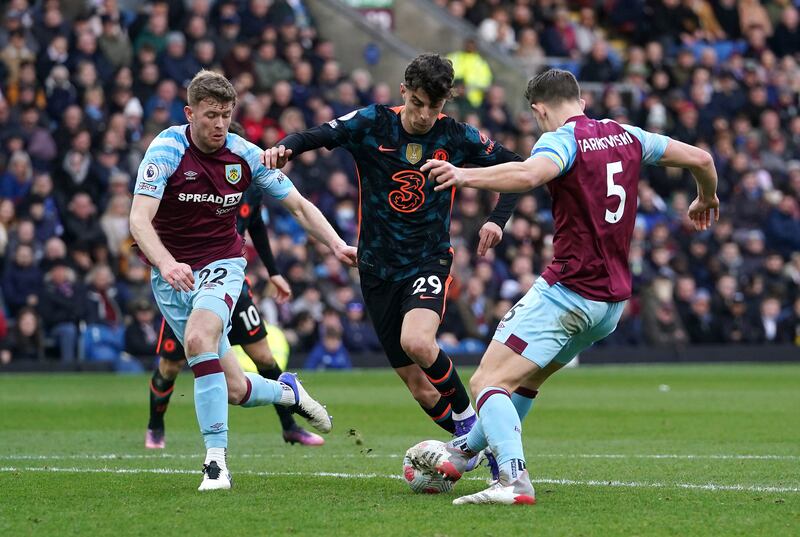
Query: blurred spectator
[(359, 334), (81, 222), (104, 338), (114, 223), (789, 329), (767, 329), (470, 67), (329, 353), (176, 63), (661, 324), (141, 334), (598, 66), (701, 324), (22, 280), (783, 226), (62, 304), (16, 182), (25, 340), (738, 325), (114, 42)]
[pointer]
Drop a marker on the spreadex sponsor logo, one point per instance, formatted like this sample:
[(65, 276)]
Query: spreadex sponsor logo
[(229, 200)]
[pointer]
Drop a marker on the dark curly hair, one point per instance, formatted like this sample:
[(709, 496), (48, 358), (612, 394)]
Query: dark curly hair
[(553, 87), (431, 73)]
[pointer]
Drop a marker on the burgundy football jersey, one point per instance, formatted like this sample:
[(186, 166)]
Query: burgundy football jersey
[(200, 193), (594, 211)]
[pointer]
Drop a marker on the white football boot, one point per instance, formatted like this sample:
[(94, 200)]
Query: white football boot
[(518, 492), (215, 473), (437, 456), (305, 405)]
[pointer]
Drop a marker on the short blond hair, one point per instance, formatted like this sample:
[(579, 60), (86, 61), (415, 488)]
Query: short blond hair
[(212, 86)]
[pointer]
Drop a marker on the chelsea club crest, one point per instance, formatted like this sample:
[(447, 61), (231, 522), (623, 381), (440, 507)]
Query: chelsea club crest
[(233, 173)]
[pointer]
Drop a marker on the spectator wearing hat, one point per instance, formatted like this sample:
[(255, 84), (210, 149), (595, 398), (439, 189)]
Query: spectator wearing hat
[(359, 334), (738, 326), (177, 63), (230, 25), (701, 325), (62, 304), (22, 280), (45, 222), (141, 334), (114, 42)]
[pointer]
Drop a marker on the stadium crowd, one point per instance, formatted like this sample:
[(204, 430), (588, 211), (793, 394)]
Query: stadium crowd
[(84, 91)]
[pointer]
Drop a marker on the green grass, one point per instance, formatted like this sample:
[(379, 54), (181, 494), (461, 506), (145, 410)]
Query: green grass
[(66, 442)]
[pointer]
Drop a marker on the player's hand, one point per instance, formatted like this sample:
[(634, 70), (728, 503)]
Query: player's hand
[(178, 275), (444, 173), (703, 211), (276, 157), (283, 292), (346, 254), (490, 236)]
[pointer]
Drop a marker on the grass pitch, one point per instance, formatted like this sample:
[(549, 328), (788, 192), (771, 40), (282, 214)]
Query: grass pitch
[(680, 450)]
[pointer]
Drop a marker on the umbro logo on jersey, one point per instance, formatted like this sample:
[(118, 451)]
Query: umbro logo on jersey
[(386, 149), (190, 175)]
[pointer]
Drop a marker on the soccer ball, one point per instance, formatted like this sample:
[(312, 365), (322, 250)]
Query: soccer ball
[(424, 482)]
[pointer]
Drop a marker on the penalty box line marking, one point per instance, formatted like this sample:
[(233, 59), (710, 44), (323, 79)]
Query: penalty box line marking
[(710, 487), (233, 456)]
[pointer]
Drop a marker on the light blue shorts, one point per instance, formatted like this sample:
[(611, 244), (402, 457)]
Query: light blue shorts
[(554, 323), (216, 288)]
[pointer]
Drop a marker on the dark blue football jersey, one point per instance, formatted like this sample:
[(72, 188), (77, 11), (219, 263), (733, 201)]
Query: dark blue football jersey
[(404, 226)]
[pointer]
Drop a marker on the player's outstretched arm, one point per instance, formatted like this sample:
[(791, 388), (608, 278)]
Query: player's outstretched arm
[(508, 177), (297, 143), (700, 164), (143, 210), (312, 220)]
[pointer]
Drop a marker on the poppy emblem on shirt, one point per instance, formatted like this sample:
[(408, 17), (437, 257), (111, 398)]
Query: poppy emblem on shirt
[(413, 153), (233, 173)]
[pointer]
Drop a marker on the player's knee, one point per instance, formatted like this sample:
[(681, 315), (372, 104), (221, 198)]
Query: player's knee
[(199, 341), (420, 348), (170, 369)]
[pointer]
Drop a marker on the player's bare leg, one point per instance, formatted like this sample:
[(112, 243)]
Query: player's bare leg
[(418, 339), (268, 368), (431, 401), (161, 386), (201, 340)]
